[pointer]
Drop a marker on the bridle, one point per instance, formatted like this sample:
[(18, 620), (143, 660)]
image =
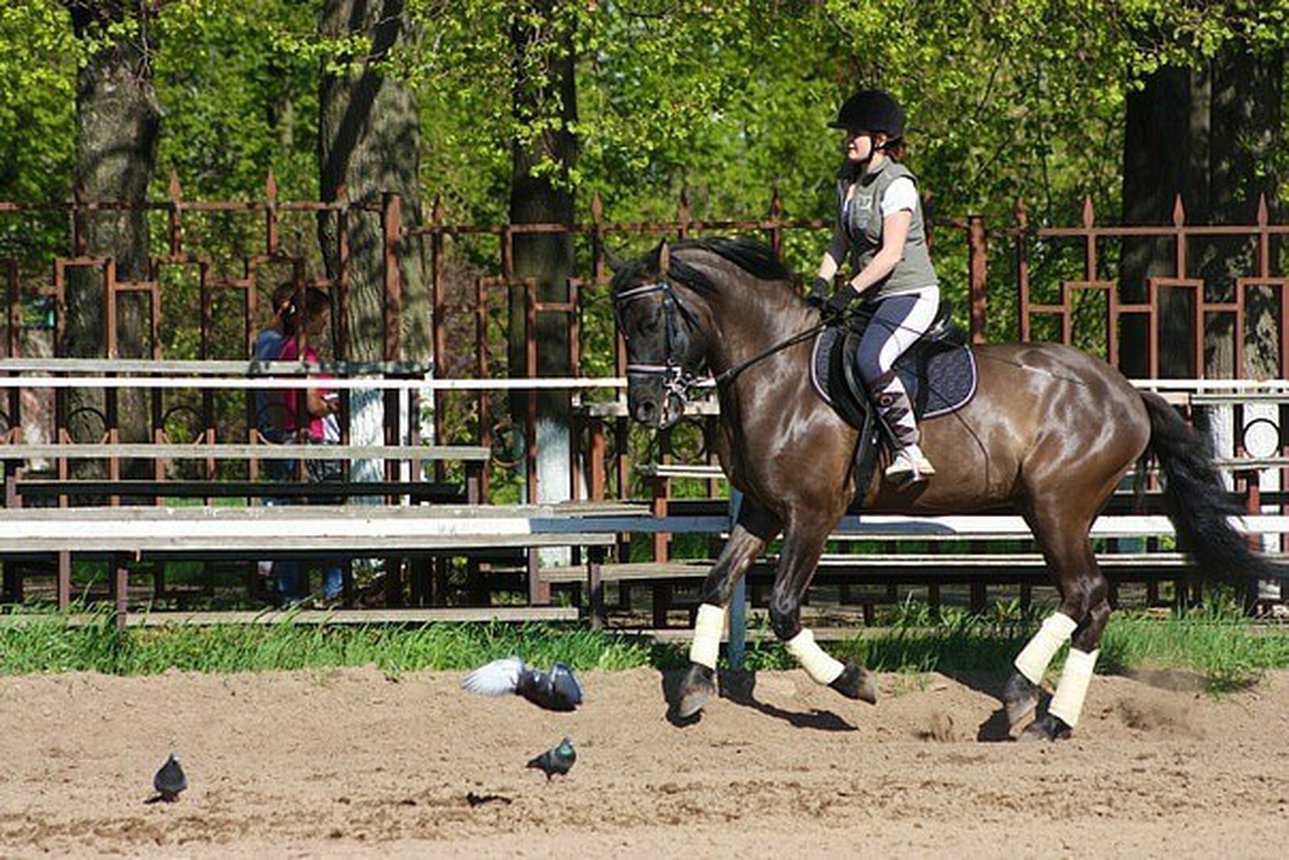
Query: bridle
[(676, 378)]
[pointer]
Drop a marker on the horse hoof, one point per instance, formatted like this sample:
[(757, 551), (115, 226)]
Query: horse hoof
[(1046, 728), (696, 690), (856, 683), (1020, 698)]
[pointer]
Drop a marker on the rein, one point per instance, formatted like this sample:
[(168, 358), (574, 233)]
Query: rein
[(732, 372), (676, 379)]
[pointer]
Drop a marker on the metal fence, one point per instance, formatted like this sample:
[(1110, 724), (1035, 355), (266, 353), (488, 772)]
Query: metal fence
[(214, 261)]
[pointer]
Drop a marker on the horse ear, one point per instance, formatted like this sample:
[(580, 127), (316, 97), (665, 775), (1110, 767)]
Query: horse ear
[(615, 262), (664, 258)]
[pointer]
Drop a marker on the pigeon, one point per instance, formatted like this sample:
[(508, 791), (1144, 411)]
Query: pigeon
[(557, 690), (170, 780), (559, 760)]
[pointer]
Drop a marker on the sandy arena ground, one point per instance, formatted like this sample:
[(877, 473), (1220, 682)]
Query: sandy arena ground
[(334, 763)]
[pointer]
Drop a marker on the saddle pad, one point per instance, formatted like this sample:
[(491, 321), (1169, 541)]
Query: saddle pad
[(940, 377)]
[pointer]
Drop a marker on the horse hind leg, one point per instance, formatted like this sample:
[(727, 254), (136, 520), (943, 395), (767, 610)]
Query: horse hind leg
[(1081, 618), (754, 529)]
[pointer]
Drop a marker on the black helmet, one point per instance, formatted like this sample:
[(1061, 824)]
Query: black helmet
[(871, 110)]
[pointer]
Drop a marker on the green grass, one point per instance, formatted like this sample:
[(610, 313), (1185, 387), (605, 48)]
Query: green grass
[(50, 644), (1214, 641)]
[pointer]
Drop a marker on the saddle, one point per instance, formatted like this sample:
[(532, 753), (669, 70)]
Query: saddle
[(938, 372)]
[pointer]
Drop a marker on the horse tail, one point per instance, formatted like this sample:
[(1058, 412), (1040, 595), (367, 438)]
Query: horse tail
[(1198, 503)]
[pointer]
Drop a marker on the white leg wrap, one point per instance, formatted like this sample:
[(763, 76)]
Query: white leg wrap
[(1033, 659), (708, 627), (1067, 702), (818, 665)]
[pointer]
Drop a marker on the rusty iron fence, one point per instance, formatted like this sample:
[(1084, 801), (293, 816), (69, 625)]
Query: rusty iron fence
[(1016, 280)]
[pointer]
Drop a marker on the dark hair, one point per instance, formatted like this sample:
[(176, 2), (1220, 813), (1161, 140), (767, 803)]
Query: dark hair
[(283, 292), (316, 300), (895, 149)]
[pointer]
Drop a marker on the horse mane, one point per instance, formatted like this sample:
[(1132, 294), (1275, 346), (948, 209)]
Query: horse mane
[(754, 257)]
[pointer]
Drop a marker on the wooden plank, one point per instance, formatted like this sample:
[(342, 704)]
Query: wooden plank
[(52, 487), (833, 564), (534, 519), (680, 470), (969, 560), (319, 616), (242, 451), (630, 571), (279, 383), (213, 367), (525, 518), (224, 531)]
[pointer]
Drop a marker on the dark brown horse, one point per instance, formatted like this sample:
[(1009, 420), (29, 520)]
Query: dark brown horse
[(1050, 432)]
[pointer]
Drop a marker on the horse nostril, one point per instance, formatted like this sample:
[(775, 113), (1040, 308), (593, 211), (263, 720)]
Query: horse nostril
[(646, 410)]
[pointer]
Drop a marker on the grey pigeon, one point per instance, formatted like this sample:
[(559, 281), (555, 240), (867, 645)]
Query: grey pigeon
[(557, 760), (556, 690), (170, 780)]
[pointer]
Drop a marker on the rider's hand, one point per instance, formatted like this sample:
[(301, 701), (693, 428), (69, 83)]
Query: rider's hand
[(835, 307), (818, 294)]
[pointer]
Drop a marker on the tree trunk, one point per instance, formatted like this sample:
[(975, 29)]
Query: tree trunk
[(1246, 121), (1165, 154), (117, 122), (369, 133), (544, 90)]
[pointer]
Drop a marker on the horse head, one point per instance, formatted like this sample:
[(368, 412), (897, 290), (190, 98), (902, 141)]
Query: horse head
[(666, 343)]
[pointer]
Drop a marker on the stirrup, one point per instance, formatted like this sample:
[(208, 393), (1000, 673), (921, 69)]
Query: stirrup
[(910, 466)]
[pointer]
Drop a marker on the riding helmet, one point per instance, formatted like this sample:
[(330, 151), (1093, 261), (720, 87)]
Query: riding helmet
[(871, 110)]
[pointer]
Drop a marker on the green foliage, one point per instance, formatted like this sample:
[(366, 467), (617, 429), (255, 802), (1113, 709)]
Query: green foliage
[(239, 99)]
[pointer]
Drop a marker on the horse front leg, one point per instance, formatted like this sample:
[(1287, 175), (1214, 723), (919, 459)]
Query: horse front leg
[(801, 550), (755, 527)]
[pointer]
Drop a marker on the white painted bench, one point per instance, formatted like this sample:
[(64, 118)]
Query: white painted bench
[(135, 533)]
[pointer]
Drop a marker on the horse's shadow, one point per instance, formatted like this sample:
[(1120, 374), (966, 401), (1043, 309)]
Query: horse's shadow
[(739, 687)]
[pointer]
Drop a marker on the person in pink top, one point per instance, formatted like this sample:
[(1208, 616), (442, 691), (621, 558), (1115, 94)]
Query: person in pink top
[(323, 428), (320, 402)]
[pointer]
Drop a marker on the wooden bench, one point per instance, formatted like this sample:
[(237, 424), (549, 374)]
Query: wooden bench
[(21, 490), (1131, 553), (475, 457), (126, 534)]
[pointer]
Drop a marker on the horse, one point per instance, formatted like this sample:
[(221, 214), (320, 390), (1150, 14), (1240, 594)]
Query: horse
[(1049, 432)]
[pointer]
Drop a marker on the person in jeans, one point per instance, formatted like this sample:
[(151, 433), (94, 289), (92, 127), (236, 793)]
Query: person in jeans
[(880, 226), (317, 425), (269, 414)]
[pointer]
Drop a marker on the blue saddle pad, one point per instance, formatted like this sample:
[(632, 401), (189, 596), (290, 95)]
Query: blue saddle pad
[(939, 375)]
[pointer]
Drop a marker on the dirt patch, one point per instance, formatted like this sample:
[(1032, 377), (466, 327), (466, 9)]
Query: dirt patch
[(334, 763)]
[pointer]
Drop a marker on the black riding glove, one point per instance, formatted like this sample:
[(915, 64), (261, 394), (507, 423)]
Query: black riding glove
[(818, 294), (835, 308)]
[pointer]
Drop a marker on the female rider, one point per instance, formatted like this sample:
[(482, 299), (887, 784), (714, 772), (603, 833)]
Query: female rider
[(880, 224)]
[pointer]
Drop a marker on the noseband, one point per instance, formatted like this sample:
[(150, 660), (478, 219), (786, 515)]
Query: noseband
[(676, 378)]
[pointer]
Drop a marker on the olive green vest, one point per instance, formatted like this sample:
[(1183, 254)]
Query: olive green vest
[(862, 220)]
